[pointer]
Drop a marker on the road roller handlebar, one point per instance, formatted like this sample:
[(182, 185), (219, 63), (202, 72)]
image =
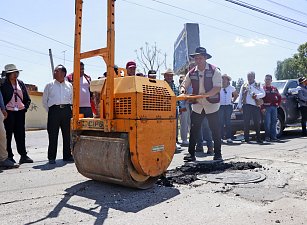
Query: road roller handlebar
[(185, 97)]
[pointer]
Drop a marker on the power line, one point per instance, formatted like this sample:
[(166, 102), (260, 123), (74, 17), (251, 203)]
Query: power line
[(35, 32), (22, 59), (225, 22), (19, 46), (263, 11), (226, 6), (45, 36), (41, 53), (287, 7), (206, 25)]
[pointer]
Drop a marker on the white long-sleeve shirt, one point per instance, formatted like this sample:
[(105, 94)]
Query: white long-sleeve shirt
[(254, 88), (56, 93)]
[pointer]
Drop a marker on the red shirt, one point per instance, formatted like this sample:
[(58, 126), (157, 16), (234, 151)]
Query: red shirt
[(272, 96)]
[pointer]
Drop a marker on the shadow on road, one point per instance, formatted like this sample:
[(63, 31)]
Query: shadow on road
[(288, 134), (291, 134), (47, 166), (110, 196)]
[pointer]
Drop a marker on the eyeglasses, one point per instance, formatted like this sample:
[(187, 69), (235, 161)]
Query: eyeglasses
[(225, 91)]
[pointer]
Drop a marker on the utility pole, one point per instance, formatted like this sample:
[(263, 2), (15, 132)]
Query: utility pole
[(51, 62)]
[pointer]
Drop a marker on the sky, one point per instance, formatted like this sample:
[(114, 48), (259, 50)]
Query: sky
[(239, 39)]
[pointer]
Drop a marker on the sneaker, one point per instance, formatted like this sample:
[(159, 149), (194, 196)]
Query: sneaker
[(275, 140), (178, 147), (51, 161), (25, 159), (199, 149), (210, 151), (184, 144), (217, 158), (229, 141), (11, 159), (8, 164), (189, 158), (259, 141), (267, 139), (246, 141)]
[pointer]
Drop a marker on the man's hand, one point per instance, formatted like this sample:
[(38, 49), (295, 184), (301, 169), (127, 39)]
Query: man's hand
[(4, 113)]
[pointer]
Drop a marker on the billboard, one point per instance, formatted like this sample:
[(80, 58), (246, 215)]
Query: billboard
[(186, 43)]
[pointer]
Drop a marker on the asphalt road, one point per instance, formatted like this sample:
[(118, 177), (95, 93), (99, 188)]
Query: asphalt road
[(39, 193)]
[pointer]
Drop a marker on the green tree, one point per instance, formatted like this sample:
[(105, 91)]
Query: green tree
[(287, 69), (301, 59), (293, 67)]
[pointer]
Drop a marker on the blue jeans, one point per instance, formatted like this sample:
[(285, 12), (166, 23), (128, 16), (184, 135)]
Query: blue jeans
[(270, 122), (205, 134), (225, 120)]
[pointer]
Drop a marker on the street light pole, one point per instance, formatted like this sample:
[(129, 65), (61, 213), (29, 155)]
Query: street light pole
[(51, 62)]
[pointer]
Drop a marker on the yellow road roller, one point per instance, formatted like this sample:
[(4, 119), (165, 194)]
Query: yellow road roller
[(133, 141)]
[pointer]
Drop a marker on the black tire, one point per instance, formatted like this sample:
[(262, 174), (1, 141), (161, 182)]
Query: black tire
[(280, 126)]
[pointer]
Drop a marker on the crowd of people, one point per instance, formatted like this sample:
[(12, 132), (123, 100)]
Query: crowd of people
[(205, 119), (208, 117)]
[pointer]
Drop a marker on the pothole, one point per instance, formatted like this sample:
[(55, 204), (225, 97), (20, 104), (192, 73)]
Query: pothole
[(189, 173)]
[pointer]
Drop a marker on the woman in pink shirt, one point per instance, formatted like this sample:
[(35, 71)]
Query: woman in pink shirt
[(17, 101)]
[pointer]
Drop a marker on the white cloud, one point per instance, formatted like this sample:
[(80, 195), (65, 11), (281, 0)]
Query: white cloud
[(249, 44), (252, 42)]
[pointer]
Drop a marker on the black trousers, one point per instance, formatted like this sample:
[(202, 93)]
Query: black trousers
[(86, 111), (251, 112), (215, 127), (59, 118), (303, 110), (15, 124)]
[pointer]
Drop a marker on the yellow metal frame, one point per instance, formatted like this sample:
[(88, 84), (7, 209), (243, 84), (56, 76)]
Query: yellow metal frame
[(106, 53)]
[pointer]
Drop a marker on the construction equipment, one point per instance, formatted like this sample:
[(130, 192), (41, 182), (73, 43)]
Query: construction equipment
[(133, 141)]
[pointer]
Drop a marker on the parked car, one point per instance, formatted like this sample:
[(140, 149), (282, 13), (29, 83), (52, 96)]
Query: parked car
[(287, 113)]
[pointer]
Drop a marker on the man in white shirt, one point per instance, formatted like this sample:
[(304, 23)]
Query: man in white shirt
[(57, 100), (228, 95), (250, 94), (206, 80)]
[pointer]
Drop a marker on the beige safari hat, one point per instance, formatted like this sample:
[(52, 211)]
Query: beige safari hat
[(10, 68), (168, 71), (228, 77)]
